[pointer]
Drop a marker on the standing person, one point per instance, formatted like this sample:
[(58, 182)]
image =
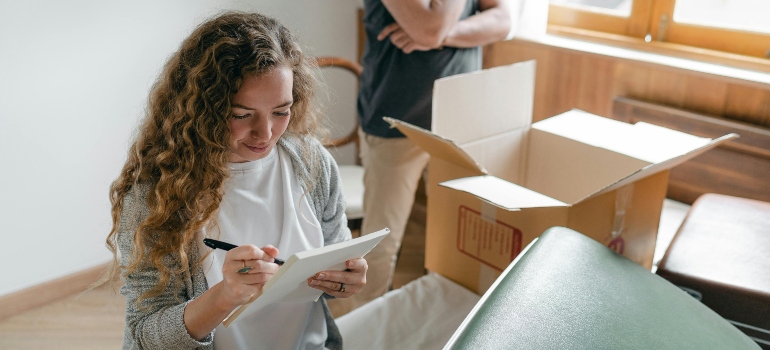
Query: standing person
[(409, 44), (228, 150)]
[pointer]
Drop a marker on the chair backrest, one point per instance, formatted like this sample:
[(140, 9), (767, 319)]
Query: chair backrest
[(355, 68)]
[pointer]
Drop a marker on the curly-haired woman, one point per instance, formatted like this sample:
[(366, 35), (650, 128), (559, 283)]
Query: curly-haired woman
[(228, 150)]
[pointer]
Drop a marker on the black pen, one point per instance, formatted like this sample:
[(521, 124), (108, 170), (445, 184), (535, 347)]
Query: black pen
[(214, 244)]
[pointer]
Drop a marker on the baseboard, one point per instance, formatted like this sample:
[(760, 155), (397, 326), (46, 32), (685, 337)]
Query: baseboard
[(26, 299)]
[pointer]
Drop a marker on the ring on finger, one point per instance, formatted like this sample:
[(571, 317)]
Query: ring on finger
[(342, 288), (244, 269)]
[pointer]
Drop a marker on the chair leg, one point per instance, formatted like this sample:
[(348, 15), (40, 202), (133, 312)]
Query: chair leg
[(355, 225)]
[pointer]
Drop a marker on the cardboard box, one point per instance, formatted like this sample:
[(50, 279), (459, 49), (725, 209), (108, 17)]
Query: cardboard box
[(496, 181)]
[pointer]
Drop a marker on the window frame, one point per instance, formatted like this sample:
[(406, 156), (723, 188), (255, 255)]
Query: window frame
[(575, 16), (723, 44), (713, 38)]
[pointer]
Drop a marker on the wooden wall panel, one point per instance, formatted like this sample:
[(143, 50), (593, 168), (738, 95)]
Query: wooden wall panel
[(569, 79), (665, 87), (704, 95), (670, 87), (574, 79), (745, 103), (595, 82), (563, 96), (630, 80)]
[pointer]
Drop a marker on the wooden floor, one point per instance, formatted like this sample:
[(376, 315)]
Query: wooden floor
[(94, 320)]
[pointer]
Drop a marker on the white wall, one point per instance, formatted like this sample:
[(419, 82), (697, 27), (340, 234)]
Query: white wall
[(74, 77)]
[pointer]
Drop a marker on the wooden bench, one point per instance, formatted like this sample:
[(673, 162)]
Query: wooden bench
[(738, 167)]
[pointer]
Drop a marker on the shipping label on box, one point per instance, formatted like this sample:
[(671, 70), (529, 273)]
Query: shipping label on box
[(487, 240)]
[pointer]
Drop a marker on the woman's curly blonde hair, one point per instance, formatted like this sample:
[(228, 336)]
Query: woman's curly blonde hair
[(182, 150)]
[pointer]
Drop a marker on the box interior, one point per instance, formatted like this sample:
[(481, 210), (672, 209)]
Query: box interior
[(571, 171), (577, 155)]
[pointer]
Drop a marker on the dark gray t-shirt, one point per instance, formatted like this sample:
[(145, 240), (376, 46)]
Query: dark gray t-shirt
[(398, 85)]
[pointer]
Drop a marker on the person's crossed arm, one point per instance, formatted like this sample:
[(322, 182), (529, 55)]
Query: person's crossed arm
[(423, 25)]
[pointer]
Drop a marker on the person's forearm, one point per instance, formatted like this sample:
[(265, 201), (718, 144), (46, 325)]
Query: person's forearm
[(483, 28), (427, 22), (205, 313)]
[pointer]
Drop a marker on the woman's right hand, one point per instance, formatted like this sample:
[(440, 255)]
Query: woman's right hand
[(238, 288), (205, 312)]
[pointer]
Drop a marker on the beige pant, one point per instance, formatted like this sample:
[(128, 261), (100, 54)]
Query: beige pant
[(392, 170)]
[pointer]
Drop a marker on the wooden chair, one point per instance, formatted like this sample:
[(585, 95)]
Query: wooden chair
[(352, 175)]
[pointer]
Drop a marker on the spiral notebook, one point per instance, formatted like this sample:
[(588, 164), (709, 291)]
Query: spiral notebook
[(289, 284)]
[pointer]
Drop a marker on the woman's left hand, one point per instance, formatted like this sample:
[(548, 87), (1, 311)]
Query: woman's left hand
[(341, 284)]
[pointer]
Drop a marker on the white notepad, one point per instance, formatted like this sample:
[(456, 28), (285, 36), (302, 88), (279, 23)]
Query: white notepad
[(289, 284)]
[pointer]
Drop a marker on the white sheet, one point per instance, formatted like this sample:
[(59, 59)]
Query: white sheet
[(420, 315)]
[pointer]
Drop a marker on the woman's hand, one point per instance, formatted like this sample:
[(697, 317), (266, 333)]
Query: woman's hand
[(341, 284), (205, 312), (256, 268)]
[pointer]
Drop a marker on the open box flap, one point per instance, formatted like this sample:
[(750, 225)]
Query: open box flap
[(473, 106), (655, 168), (501, 193), (643, 141), (436, 145), (569, 170)]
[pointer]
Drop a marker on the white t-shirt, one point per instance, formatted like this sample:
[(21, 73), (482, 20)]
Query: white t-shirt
[(260, 207)]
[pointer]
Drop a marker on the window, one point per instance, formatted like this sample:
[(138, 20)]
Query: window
[(732, 26), (623, 17), (748, 15)]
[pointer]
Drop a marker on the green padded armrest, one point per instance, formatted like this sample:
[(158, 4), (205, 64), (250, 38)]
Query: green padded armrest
[(566, 291)]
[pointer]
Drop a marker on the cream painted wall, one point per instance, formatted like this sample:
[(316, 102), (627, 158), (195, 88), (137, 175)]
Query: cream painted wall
[(74, 77)]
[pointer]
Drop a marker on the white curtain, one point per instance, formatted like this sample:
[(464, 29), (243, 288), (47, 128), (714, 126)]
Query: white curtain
[(529, 19)]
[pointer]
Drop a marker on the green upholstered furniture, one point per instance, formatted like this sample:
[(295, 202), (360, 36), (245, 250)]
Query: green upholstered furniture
[(566, 291)]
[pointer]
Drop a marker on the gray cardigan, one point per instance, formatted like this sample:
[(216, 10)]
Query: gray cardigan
[(161, 325)]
